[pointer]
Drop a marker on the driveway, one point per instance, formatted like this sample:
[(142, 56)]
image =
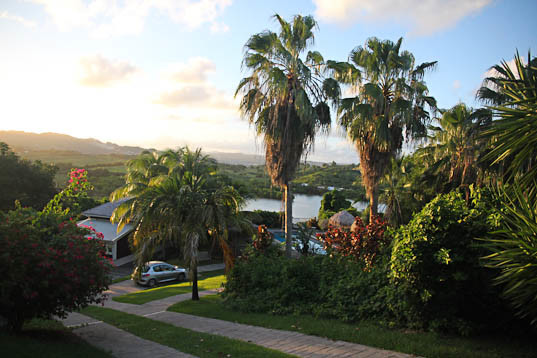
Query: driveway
[(122, 271)]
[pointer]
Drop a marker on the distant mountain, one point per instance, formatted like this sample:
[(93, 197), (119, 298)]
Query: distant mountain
[(21, 142), (25, 141)]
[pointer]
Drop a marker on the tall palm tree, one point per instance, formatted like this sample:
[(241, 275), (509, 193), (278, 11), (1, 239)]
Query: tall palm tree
[(392, 103), (512, 95), (182, 206), (284, 98), (455, 146)]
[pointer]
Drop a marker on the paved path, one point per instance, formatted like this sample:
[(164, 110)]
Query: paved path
[(289, 342), (119, 343)]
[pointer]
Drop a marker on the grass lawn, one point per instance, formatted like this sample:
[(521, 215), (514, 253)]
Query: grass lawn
[(47, 338), (182, 339), (207, 281), (367, 333)]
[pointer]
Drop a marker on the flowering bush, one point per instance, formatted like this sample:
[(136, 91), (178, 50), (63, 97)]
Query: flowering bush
[(48, 266), (69, 200), (363, 243)]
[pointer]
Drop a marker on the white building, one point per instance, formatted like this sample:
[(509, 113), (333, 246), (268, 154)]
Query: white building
[(117, 243)]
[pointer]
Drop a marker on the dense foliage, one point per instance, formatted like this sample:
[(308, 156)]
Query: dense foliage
[(31, 183), (48, 265), (335, 287), (436, 263)]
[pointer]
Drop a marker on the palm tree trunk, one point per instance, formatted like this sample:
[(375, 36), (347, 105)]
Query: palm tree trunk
[(195, 294), (288, 219), (373, 202)]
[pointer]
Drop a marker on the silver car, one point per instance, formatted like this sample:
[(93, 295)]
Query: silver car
[(155, 272)]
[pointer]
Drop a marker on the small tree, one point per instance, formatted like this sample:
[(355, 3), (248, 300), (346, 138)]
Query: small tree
[(49, 266), (31, 183)]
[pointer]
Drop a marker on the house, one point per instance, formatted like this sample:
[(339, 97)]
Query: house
[(117, 243)]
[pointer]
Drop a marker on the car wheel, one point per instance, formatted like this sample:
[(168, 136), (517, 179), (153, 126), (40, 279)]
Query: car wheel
[(152, 283), (181, 276)]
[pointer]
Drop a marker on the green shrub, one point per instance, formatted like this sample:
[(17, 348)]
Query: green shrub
[(48, 266), (336, 287), (435, 265)]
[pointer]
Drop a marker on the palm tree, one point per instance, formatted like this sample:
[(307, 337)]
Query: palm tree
[(391, 104), (513, 96), (284, 98), (393, 192), (182, 206), (455, 147)]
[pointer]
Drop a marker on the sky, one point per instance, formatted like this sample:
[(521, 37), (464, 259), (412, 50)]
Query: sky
[(162, 73)]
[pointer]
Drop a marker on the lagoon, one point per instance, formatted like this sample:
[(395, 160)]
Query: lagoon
[(304, 206)]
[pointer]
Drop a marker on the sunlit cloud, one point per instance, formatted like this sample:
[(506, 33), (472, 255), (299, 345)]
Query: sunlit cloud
[(187, 85), (21, 20), (106, 18), (423, 17), (98, 71), (195, 70)]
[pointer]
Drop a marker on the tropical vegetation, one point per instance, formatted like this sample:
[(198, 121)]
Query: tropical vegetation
[(391, 104), (49, 266), (284, 98), (175, 198), (31, 183)]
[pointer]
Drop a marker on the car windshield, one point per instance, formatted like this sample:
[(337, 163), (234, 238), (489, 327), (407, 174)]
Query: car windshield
[(145, 268)]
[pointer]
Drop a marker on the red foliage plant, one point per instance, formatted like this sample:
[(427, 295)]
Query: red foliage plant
[(363, 243)]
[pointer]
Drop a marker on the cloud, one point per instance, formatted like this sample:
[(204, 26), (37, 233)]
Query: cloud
[(194, 71), (190, 96), (424, 17), (19, 19), (188, 86), (197, 96), (98, 71), (106, 18), (456, 84)]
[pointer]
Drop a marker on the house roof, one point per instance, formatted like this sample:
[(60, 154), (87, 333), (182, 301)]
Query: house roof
[(108, 229), (105, 210)]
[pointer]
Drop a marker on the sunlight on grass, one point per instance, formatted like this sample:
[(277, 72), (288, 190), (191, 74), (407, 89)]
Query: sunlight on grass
[(213, 280)]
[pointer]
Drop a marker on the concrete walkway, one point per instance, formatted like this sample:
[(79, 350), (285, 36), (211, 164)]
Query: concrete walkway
[(294, 343), (119, 343)]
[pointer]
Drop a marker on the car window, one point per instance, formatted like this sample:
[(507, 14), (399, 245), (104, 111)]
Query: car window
[(145, 268), (157, 268), (168, 268)]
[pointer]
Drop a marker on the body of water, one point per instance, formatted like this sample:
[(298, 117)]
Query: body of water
[(304, 206)]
